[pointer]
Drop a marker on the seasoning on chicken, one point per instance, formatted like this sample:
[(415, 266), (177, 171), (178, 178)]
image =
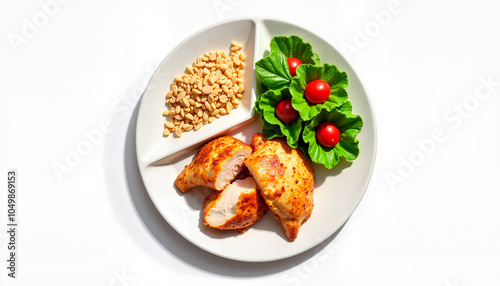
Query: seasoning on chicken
[(236, 207), (286, 181), (216, 164)]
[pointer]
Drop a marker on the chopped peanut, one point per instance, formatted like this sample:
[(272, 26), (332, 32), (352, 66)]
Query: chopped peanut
[(211, 87)]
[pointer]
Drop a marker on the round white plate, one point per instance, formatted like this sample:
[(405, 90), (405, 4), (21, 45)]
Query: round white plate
[(337, 191)]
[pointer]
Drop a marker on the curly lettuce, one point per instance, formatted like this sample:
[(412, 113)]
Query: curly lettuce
[(306, 73), (266, 106), (273, 71), (349, 126), (278, 84), (294, 47)]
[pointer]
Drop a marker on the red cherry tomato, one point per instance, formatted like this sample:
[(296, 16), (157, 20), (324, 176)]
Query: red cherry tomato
[(317, 91), (293, 63), (327, 134), (285, 111)]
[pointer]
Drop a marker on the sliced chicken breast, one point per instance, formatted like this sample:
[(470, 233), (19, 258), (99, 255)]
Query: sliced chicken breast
[(238, 206), (286, 181), (216, 164)]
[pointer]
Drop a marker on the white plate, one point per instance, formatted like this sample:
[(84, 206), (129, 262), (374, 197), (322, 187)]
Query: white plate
[(337, 191)]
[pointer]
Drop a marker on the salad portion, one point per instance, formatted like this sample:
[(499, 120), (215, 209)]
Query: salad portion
[(306, 102)]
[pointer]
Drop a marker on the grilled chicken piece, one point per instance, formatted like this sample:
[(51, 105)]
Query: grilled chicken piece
[(286, 181), (236, 207), (215, 165)]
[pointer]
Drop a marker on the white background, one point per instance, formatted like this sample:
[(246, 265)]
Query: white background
[(430, 215)]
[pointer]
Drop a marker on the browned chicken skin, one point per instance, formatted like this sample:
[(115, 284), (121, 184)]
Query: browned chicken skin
[(286, 181), (216, 164)]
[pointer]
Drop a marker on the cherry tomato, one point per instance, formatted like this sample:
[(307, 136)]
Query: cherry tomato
[(317, 91), (327, 134), (285, 111), (293, 63)]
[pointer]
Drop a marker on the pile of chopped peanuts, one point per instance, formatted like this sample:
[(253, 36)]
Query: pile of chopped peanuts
[(211, 87)]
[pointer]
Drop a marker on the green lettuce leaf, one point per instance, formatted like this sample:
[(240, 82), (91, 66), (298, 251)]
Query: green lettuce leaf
[(346, 107), (268, 129), (271, 131), (306, 73), (294, 47), (277, 84), (273, 71), (267, 103), (349, 126)]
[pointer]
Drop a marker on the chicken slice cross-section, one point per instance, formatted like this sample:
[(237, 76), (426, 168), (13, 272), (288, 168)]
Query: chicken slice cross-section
[(237, 206), (286, 181), (215, 165)]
